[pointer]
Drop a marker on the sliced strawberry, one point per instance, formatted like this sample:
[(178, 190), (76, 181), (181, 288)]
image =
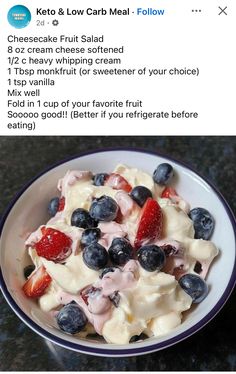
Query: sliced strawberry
[(36, 285), (84, 297), (117, 182), (168, 192), (61, 204), (150, 223), (119, 217), (54, 245)]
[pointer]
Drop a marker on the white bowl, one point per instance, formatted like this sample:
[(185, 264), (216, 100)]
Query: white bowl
[(27, 211)]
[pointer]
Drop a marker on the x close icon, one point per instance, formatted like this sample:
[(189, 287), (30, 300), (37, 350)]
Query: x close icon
[(222, 10)]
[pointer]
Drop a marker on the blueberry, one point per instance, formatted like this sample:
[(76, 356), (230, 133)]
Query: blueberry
[(104, 209), (194, 286), (203, 223), (99, 179), (53, 206), (198, 267), (71, 318), (163, 174), (120, 251), (140, 194), (136, 338), (95, 256), (28, 270), (107, 270), (81, 218), (151, 257), (90, 236)]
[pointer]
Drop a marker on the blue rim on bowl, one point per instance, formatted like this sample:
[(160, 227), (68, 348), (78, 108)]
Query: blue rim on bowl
[(131, 351)]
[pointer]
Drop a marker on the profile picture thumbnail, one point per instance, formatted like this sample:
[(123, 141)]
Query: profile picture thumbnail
[(19, 16)]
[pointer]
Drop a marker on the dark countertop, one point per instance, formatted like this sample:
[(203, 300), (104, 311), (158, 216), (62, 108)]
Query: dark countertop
[(212, 348)]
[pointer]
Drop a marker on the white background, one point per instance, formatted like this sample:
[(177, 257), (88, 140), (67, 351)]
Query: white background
[(181, 38)]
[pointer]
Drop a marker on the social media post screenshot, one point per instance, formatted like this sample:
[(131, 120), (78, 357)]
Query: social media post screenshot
[(120, 67), (117, 211)]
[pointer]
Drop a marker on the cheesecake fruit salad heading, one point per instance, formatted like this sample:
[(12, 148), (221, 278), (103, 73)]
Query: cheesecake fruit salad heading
[(122, 255)]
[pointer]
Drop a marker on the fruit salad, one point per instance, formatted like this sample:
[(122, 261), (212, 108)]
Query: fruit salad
[(122, 255)]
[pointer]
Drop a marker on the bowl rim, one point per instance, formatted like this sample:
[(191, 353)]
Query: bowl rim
[(119, 352)]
